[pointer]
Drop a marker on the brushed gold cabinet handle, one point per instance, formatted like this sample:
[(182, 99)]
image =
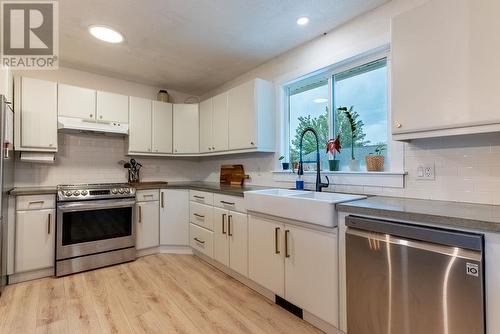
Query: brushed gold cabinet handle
[(162, 199), (229, 223), (140, 214), (287, 232), (198, 215), (198, 197), (227, 203), (223, 223), (276, 248), (200, 241), (49, 218)]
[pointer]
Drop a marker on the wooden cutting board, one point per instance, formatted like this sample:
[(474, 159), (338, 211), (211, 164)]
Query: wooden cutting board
[(233, 175)]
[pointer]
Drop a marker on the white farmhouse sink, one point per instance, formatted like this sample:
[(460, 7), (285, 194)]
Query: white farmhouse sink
[(306, 206)]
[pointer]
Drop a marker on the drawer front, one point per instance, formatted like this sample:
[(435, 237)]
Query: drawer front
[(201, 197), (36, 202), (202, 215), (147, 195), (201, 240), (233, 203)]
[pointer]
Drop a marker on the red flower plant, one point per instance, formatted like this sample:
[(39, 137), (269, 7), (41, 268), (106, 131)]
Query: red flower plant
[(333, 145)]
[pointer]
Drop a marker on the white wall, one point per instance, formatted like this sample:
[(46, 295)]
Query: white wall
[(467, 169)]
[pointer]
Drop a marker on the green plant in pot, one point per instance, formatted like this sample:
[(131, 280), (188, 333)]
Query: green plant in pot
[(285, 165), (349, 114), (333, 146), (375, 161)]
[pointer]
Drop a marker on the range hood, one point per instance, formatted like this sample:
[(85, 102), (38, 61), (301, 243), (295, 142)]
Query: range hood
[(70, 124)]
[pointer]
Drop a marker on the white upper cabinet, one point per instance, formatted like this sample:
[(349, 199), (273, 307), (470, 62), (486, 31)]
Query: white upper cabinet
[(112, 107), (76, 102), (206, 125), (36, 115), (162, 127), (140, 125), (445, 71), (251, 116), (186, 128), (6, 83), (220, 123)]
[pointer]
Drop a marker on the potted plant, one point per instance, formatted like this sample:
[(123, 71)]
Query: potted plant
[(285, 165), (332, 147), (353, 163), (375, 160)]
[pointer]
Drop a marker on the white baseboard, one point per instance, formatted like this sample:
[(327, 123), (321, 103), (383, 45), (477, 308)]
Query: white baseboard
[(31, 275), (175, 250)]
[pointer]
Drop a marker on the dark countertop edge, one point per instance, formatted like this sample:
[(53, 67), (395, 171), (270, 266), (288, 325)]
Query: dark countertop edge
[(422, 218), (209, 187)]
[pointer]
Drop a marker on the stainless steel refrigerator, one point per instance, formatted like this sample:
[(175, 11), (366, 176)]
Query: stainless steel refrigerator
[(6, 179)]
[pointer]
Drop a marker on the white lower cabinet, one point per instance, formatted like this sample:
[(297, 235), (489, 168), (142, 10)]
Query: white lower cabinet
[(201, 239), (174, 217), (35, 239), (296, 263), (231, 239), (147, 222), (265, 254)]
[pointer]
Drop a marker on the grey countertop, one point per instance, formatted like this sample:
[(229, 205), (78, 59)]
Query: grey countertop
[(448, 214), (202, 186)]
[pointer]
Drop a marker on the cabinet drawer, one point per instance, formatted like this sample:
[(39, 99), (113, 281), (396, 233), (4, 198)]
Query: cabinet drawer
[(201, 240), (233, 203), (202, 215), (147, 195), (35, 202), (201, 197)]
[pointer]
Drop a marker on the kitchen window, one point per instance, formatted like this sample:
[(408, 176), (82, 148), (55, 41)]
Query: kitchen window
[(362, 88)]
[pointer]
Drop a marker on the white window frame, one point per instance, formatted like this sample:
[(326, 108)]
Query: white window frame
[(393, 176)]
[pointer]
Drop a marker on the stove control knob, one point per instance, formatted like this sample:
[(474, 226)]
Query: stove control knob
[(76, 193), (84, 192), (114, 191), (121, 190), (68, 193)]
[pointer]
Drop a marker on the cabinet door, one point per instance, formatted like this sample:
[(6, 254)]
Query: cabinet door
[(221, 240), (174, 217), (162, 127), (265, 254), (147, 224), (112, 107), (38, 121), (206, 123), (139, 138), (186, 128), (238, 242), (220, 123), (76, 102), (242, 116), (35, 240), (311, 274), (445, 72)]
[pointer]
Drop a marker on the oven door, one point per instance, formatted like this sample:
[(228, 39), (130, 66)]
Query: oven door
[(90, 227)]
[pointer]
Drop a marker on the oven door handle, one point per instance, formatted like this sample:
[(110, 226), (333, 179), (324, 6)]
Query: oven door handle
[(104, 204)]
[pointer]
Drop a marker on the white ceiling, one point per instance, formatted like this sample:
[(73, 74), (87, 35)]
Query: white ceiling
[(193, 45)]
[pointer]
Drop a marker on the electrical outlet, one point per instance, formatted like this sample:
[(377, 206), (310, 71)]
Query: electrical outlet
[(426, 173)]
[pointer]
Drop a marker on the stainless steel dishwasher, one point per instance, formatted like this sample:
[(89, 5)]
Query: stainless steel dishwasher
[(409, 279)]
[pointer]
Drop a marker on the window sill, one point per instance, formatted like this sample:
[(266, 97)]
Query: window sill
[(361, 178)]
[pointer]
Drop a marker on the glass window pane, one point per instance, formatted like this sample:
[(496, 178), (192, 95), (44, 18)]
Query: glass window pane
[(308, 105), (363, 90)]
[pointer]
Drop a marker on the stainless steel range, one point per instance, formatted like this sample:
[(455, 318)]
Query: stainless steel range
[(94, 226)]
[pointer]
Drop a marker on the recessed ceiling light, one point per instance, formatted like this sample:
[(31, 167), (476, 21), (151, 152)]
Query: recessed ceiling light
[(106, 34), (302, 21), (320, 100)]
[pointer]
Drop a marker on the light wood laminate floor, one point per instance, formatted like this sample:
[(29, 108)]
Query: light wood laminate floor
[(155, 294)]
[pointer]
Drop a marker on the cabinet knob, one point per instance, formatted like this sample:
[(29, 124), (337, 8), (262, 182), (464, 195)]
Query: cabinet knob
[(91, 115), (51, 145), (100, 117), (156, 150), (397, 124), (252, 143), (149, 150), (213, 147), (175, 151)]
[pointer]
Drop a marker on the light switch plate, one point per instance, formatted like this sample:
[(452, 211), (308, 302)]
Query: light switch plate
[(426, 172)]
